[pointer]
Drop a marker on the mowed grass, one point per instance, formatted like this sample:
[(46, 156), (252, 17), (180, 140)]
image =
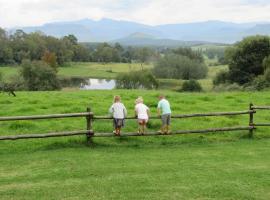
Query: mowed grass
[(213, 166)]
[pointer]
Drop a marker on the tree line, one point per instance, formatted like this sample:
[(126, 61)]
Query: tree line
[(16, 47)]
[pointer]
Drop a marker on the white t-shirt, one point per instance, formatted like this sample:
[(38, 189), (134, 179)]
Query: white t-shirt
[(118, 110), (141, 111)]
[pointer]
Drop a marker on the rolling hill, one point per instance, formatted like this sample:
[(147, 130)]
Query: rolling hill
[(87, 30)]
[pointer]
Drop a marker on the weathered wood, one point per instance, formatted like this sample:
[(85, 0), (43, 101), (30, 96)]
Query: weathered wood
[(53, 116), (47, 135), (191, 115), (89, 126), (262, 124), (261, 107), (251, 123), (204, 131)]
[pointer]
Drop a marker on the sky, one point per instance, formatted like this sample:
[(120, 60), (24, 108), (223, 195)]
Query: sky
[(18, 13)]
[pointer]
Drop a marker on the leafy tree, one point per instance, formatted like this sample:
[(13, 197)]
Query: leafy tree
[(136, 80), (188, 52), (179, 67), (50, 59), (246, 58), (266, 63), (38, 75)]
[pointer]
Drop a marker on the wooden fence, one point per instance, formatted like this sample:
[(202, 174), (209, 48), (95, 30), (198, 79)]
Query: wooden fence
[(89, 116)]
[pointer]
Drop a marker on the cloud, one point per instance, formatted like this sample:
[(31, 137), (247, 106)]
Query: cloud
[(37, 12)]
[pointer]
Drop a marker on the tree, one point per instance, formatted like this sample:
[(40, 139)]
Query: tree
[(38, 75), (246, 58), (266, 63), (179, 67), (6, 54), (188, 52), (135, 80), (50, 59)]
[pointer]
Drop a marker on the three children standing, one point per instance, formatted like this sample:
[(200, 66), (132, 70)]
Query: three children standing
[(142, 112)]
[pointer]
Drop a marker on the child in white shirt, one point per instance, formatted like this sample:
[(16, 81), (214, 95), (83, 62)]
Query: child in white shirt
[(119, 112), (142, 112)]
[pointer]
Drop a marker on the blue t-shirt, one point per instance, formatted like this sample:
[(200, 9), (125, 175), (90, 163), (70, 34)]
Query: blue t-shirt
[(164, 106)]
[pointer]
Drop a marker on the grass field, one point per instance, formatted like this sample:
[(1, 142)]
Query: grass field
[(214, 166), (87, 70), (110, 71)]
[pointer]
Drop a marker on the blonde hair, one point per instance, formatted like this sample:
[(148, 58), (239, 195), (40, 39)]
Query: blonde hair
[(139, 100), (117, 98)]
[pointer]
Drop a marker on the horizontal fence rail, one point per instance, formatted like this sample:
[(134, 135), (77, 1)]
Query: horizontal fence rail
[(89, 116), (47, 135), (54, 116), (261, 107), (190, 115), (181, 132), (262, 124)]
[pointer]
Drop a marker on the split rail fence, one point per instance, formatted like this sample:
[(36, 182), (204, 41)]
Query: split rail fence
[(89, 116)]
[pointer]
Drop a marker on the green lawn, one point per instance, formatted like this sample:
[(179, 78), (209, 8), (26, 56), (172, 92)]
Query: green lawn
[(214, 166)]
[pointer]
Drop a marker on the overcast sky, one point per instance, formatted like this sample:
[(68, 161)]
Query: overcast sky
[(153, 12)]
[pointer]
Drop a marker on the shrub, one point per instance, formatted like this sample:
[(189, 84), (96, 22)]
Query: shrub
[(179, 67), (38, 75), (221, 78), (227, 87), (191, 86), (134, 80)]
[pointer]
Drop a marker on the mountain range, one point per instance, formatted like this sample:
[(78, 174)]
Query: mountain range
[(132, 33)]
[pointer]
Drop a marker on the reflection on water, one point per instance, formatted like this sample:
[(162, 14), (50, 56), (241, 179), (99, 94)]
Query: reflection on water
[(98, 84)]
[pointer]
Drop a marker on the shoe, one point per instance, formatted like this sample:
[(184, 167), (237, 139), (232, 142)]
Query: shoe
[(161, 132)]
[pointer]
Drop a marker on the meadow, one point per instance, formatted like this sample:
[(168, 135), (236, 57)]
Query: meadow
[(213, 166), (111, 70)]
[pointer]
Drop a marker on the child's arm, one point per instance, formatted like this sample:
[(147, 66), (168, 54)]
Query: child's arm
[(125, 112), (111, 110), (148, 112)]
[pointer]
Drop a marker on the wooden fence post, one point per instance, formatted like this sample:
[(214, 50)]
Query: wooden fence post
[(251, 120), (89, 126)]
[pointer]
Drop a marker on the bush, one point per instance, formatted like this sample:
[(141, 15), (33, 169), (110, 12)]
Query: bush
[(134, 80), (191, 86), (179, 67), (1, 77), (221, 78), (38, 75), (227, 87)]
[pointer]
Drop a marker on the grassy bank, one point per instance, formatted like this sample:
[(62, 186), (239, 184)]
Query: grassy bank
[(214, 166)]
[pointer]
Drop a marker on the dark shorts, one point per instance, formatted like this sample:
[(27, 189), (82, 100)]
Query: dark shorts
[(166, 119), (118, 123)]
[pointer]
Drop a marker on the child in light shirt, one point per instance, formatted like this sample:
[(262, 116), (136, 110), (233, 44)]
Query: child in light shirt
[(119, 112), (142, 112)]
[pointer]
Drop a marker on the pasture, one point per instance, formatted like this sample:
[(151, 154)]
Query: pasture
[(214, 166), (110, 71)]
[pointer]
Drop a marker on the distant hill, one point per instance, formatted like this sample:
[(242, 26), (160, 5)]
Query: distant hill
[(142, 39), (87, 30)]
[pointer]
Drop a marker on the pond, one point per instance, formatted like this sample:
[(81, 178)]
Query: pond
[(98, 84)]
